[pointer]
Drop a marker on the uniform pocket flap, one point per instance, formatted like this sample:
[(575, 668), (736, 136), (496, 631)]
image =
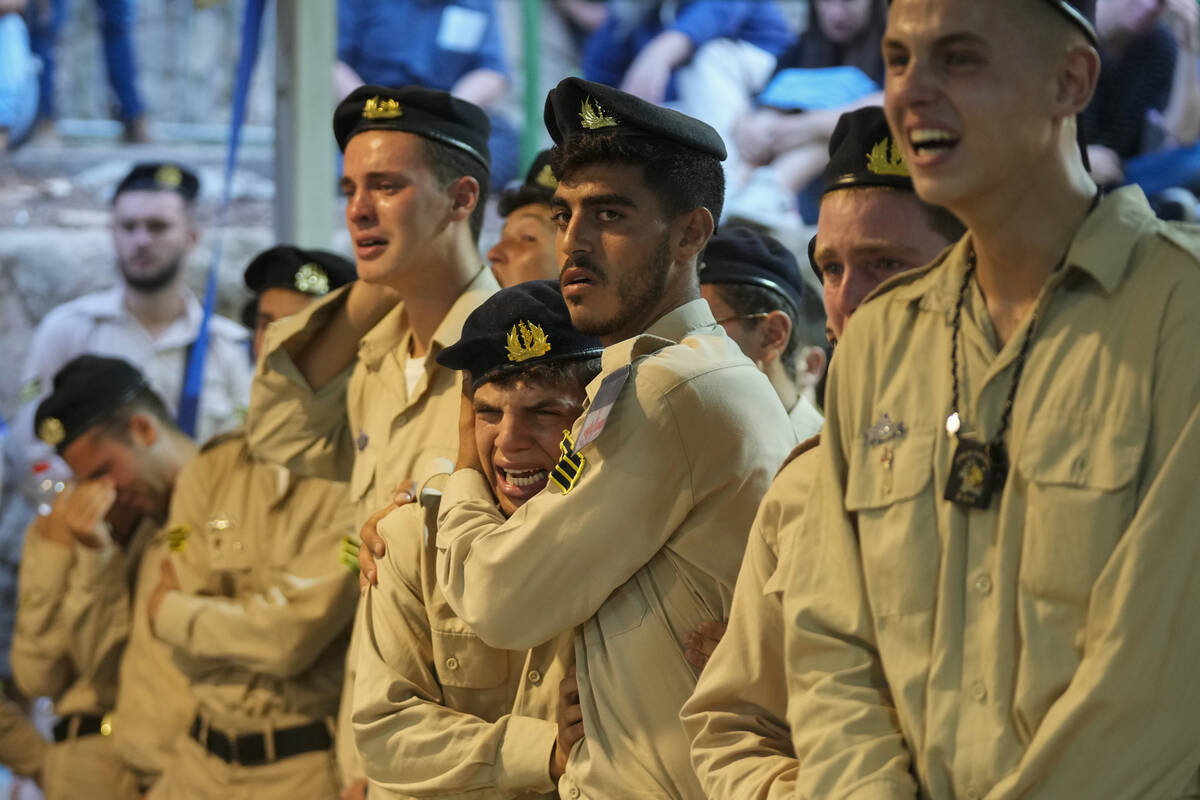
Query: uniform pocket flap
[(883, 474), (1099, 454), (463, 661)]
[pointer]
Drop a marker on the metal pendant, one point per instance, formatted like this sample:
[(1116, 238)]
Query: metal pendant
[(975, 473)]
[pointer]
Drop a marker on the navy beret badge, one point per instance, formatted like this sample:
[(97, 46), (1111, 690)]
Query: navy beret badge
[(527, 340), (381, 108), (592, 116), (51, 431)]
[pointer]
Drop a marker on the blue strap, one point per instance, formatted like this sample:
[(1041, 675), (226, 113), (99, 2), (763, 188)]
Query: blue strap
[(193, 379)]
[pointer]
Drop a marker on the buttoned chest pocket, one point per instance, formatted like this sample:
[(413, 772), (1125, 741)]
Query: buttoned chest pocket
[(1082, 495), (463, 661), (623, 611), (230, 553), (888, 491)]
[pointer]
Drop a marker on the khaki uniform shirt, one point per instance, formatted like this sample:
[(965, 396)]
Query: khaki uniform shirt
[(99, 323), (1045, 647), (645, 546), (22, 749), (73, 618), (737, 716), (363, 426), (154, 702), (805, 418), (261, 625), (437, 712)]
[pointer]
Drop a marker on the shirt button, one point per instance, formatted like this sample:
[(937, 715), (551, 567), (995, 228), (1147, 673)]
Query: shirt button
[(972, 793), (574, 791), (237, 545), (451, 663), (983, 584), (535, 676), (979, 691)]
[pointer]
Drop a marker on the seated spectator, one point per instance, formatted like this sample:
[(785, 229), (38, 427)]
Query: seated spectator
[(526, 250), (18, 76), (706, 58), (785, 149), (46, 18), (455, 47), (1149, 89)]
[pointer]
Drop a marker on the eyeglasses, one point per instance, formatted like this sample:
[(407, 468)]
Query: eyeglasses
[(759, 315)]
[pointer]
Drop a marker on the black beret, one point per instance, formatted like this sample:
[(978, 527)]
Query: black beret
[(314, 272), (160, 177), (579, 108), (430, 113), (738, 254), (538, 186), (517, 328), (862, 152), (86, 390), (1082, 14)]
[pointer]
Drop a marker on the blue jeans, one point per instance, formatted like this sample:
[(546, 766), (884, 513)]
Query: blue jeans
[(18, 78), (116, 29)]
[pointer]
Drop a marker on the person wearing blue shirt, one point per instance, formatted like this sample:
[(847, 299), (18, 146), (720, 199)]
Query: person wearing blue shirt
[(451, 46)]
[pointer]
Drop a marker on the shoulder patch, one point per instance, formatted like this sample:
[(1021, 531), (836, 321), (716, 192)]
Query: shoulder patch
[(347, 554), (177, 538), (31, 391)]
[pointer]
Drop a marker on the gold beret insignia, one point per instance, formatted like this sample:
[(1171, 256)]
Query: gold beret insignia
[(311, 279), (168, 175), (885, 158), (381, 108), (546, 178), (592, 116), (527, 340), (51, 431)]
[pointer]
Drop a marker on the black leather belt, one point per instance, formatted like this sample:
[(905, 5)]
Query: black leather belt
[(250, 749), (89, 725)]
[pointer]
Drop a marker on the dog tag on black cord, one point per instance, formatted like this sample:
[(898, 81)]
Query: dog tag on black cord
[(974, 474)]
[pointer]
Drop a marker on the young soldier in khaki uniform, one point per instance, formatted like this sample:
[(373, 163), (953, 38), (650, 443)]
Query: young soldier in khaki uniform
[(641, 535), (349, 389), (756, 292), (257, 611), (871, 226), (526, 250), (439, 713), (252, 602), (76, 608), (1001, 593)]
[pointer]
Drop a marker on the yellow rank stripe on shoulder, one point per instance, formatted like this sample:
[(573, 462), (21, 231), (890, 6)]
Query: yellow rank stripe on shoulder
[(177, 538), (567, 471), (348, 554)]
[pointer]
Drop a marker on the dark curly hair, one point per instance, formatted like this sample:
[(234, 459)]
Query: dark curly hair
[(681, 178)]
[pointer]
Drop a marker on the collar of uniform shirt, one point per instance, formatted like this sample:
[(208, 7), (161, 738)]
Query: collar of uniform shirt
[(672, 326), (389, 334), (1101, 249)]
